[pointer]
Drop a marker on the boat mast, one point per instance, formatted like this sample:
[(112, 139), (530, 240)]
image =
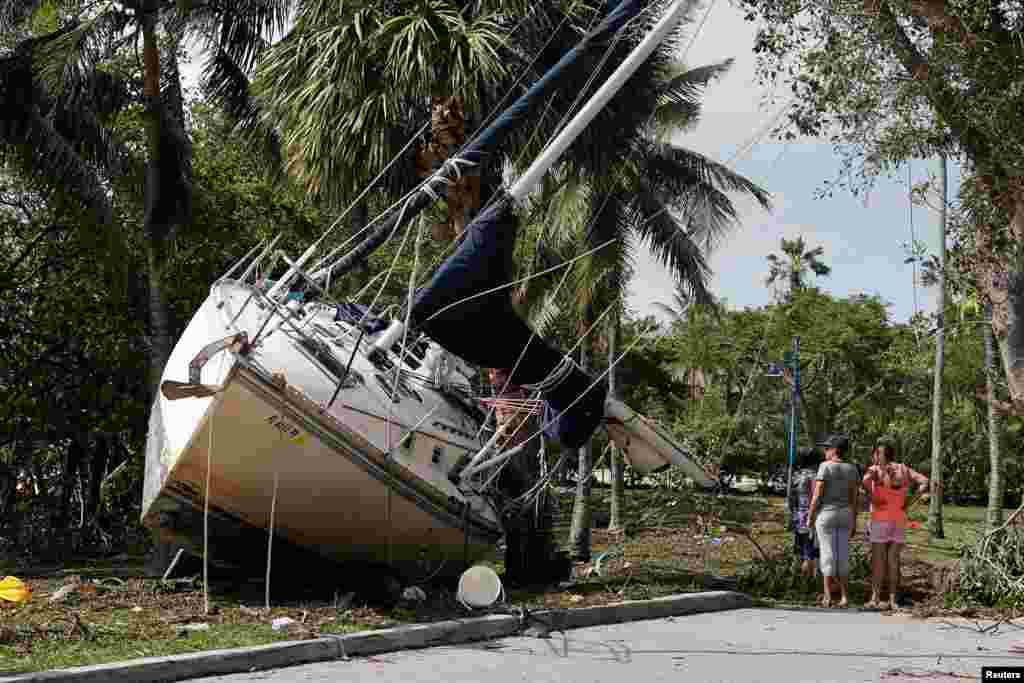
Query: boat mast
[(641, 52)]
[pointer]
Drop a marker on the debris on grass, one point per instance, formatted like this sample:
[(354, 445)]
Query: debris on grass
[(665, 550)]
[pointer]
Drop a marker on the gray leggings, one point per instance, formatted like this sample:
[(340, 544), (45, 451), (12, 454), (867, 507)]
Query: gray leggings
[(833, 530)]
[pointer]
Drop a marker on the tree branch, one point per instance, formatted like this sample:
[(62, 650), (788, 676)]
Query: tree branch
[(938, 93), (29, 248)]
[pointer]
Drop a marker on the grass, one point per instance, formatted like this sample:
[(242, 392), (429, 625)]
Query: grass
[(114, 642), (667, 548), (962, 525)]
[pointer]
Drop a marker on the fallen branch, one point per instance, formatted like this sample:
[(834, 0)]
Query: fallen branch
[(748, 534)]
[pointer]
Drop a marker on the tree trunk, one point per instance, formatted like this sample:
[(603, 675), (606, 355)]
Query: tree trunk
[(97, 466), (616, 521), (8, 490), (360, 218), (447, 135), (1000, 277), (579, 536), (72, 460), (935, 527), (168, 194), (995, 477)]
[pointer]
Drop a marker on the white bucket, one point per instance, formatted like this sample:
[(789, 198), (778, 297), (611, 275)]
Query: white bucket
[(479, 586)]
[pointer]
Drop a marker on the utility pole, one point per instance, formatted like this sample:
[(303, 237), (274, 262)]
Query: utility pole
[(935, 527), (794, 412)]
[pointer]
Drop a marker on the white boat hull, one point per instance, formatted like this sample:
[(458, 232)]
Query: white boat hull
[(346, 488)]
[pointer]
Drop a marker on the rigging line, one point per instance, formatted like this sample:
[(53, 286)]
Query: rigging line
[(566, 355), (537, 489), (408, 316), (523, 279), (515, 84), (533, 334), (761, 133), (403, 200), (362, 194), (391, 269), (519, 360), (597, 380), (413, 139), (534, 492), (579, 96), (593, 76), (757, 138), (206, 521), (480, 130), (270, 539), (696, 33)]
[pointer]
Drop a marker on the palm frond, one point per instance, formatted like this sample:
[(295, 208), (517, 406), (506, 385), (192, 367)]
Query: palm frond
[(242, 30), (679, 100), (48, 156), (76, 50), (226, 83), (58, 139), (14, 12), (602, 276), (697, 186), (673, 246)]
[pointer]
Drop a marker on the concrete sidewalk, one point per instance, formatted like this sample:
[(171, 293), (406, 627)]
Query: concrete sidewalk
[(219, 662), (739, 646)]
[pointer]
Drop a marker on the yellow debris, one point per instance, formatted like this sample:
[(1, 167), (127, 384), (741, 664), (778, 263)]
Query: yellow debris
[(14, 590)]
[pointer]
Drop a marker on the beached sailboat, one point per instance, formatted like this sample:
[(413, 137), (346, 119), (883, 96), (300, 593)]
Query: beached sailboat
[(364, 439)]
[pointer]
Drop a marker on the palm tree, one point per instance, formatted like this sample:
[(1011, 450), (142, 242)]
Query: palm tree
[(345, 113), (794, 264), (65, 137), (668, 197), (994, 515), (676, 310)]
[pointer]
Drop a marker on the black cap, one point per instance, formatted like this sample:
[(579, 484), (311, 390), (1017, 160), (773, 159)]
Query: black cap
[(840, 441)]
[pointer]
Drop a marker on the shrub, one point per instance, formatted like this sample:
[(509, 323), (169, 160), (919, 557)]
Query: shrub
[(991, 571)]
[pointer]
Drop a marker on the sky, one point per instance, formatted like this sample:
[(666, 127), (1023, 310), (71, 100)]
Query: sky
[(864, 238)]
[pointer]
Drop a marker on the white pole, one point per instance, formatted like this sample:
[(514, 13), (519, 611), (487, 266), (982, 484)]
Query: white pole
[(540, 166), (293, 271)]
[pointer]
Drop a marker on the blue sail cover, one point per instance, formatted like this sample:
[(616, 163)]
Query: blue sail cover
[(356, 314), (486, 330)]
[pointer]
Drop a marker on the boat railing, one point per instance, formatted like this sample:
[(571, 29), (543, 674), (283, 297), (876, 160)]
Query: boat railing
[(284, 311)]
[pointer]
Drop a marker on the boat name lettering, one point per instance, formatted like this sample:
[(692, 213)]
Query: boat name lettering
[(284, 427)]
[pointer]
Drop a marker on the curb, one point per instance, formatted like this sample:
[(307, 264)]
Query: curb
[(326, 648)]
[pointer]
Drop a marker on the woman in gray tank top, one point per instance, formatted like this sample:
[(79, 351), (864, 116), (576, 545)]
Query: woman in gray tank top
[(833, 515)]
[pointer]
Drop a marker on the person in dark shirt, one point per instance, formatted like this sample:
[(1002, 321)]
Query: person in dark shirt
[(802, 489)]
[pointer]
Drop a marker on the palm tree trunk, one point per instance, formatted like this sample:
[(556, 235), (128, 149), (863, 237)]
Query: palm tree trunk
[(168, 197), (935, 528), (448, 134), (616, 522), (995, 478), (579, 534)]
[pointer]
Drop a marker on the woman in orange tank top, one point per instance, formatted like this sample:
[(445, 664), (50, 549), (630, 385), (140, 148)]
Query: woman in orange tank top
[(888, 482)]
